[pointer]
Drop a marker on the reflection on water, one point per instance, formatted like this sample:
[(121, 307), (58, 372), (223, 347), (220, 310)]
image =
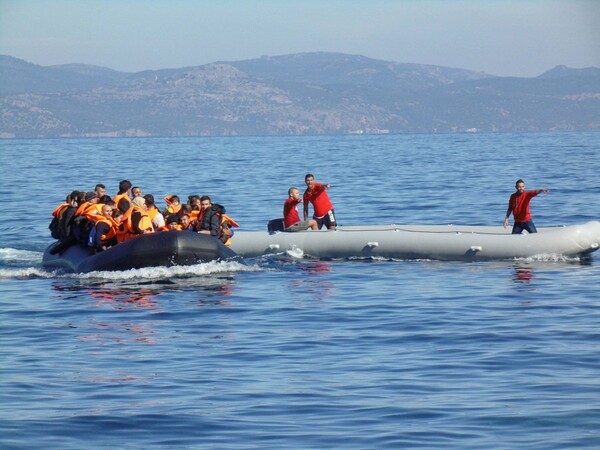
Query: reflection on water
[(523, 275), (310, 283)]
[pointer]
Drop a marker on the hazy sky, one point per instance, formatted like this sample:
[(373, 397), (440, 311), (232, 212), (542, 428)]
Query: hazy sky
[(509, 38)]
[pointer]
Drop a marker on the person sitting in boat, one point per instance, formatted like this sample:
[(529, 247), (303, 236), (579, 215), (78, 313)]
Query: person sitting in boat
[(61, 226), (124, 192), (105, 229), (316, 194), (214, 221), (291, 219), (518, 205), (173, 205), (89, 207), (158, 220), (135, 220), (194, 202), (172, 223), (100, 190), (184, 222)]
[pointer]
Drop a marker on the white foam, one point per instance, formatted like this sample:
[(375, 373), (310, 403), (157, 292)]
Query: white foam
[(550, 257), (157, 273), (10, 256), (295, 252), (26, 272)]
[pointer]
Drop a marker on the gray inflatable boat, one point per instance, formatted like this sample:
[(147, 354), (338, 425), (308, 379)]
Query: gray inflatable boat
[(437, 242)]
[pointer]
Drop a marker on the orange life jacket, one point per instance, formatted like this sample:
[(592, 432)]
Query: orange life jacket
[(89, 210), (117, 198), (126, 230), (59, 209), (112, 231), (172, 208), (226, 220)]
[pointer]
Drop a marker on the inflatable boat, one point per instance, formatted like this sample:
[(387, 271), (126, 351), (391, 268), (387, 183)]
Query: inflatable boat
[(437, 242), (169, 248)]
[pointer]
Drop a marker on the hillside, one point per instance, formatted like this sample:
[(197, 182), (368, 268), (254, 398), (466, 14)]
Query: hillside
[(308, 93)]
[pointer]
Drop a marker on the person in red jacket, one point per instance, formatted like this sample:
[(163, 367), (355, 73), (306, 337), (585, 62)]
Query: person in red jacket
[(323, 208), (518, 204)]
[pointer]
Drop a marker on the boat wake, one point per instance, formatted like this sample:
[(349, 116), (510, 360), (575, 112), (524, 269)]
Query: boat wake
[(26, 264)]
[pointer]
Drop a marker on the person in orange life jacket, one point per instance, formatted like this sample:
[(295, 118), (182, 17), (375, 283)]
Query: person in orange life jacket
[(291, 219), (135, 219), (518, 204), (173, 223), (194, 202), (66, 216), (105, 236), (158, 220), (89, 207), (173, 205), (316, 194), (124, 192), (57, 214)]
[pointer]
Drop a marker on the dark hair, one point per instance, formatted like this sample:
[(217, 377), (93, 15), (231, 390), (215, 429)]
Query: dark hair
[(308, 175), (105, 199), (124, 186), (519, 181), (73, 196), (99, 185), (123, 205), (205, 197), (149, 199)]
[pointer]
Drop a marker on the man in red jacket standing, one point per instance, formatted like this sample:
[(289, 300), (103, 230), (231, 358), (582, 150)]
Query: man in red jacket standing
[(518, 204), (323, 209)]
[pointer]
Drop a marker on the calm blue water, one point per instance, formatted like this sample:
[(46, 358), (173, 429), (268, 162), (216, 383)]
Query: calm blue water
[(302, 353)]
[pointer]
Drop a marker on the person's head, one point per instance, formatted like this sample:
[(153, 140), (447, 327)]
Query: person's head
[(123, 205), (294, 193), (520, 185), (184, 220), (105, 199), (107, 210), (136, 191), (149, 201), (139, 202), (309, 179), (91, 197), (117, 215), (124, 186), (172, 221), (73, 198), (100, 190), (80, 197), (205, 202), (174, 199), (194, 201)]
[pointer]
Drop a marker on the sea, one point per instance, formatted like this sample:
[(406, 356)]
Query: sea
[(293, 352)]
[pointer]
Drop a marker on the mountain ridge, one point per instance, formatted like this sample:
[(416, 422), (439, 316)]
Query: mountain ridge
[(304, 93)]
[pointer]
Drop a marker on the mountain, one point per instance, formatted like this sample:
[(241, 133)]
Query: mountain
[(306, 93)]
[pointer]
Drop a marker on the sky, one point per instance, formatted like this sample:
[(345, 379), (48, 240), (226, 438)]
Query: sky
[(522, 38)]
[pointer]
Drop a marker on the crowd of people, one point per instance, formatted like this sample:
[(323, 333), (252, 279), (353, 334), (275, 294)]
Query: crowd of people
[(99, 221)]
